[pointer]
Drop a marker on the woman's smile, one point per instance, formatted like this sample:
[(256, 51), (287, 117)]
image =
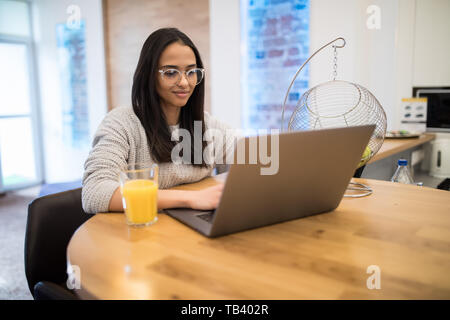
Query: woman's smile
[(181, 94)]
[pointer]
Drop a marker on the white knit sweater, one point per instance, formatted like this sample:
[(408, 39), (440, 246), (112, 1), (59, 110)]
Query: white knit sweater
[(120, 140)]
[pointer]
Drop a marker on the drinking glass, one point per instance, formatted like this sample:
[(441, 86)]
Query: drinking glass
[(139, 189)]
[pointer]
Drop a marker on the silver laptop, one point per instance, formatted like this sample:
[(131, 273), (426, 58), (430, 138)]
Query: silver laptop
[(314, 170)]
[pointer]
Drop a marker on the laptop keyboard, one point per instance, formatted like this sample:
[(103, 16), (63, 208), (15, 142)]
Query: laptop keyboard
[(208, 217)]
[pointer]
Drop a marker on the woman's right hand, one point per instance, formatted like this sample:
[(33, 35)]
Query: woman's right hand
[(206, 199)]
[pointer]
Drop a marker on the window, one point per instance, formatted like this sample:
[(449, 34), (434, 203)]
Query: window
[(19, 143), (275, 43)]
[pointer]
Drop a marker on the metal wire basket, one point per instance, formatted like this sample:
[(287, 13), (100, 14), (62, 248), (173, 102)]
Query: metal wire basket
[(339, 103)]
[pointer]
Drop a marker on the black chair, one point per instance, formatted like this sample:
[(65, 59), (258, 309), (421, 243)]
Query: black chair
[(51, 222)]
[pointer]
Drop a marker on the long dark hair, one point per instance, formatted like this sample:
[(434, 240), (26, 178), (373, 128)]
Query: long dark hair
[(146, 101)]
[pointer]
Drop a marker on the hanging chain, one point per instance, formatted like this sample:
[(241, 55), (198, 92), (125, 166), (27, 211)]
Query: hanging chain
[(335, 63)]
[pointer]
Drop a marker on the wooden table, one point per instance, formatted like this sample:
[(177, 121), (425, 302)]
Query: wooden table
[(404, 230)]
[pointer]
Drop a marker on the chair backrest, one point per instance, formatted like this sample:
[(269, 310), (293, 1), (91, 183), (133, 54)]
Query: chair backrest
[(51, 222)]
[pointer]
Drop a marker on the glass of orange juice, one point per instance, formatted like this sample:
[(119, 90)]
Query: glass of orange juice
[(139, 188)]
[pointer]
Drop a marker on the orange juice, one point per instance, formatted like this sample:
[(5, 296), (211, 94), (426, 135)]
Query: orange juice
[(140, 201)]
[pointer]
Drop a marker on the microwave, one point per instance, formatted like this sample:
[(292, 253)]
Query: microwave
[(438, 107)]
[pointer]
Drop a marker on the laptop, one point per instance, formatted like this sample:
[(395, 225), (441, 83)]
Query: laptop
[(314, 170)]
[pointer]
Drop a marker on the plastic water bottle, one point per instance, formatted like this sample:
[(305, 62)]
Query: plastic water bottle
[(402, 174)]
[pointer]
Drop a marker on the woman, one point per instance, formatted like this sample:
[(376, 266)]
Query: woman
[(167, 95)]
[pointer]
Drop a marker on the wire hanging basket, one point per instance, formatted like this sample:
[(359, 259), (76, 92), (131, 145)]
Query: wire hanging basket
[(338, 103)]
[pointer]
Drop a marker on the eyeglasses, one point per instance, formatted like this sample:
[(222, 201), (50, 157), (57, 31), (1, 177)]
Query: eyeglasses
[(173, 76)]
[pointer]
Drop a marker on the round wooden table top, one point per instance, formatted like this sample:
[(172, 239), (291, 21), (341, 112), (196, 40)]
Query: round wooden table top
[(392, 244)]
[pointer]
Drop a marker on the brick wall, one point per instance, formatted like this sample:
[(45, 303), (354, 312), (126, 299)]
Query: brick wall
[(129, 23)]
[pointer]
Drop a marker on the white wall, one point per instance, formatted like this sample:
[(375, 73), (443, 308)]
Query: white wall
[(404, 55), (368, 58), (422, 46), (225, 61), (63, 163), (432, 43), (411, 48)]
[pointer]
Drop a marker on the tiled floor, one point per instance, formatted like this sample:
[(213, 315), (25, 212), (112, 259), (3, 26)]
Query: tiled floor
[(13, 216)]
